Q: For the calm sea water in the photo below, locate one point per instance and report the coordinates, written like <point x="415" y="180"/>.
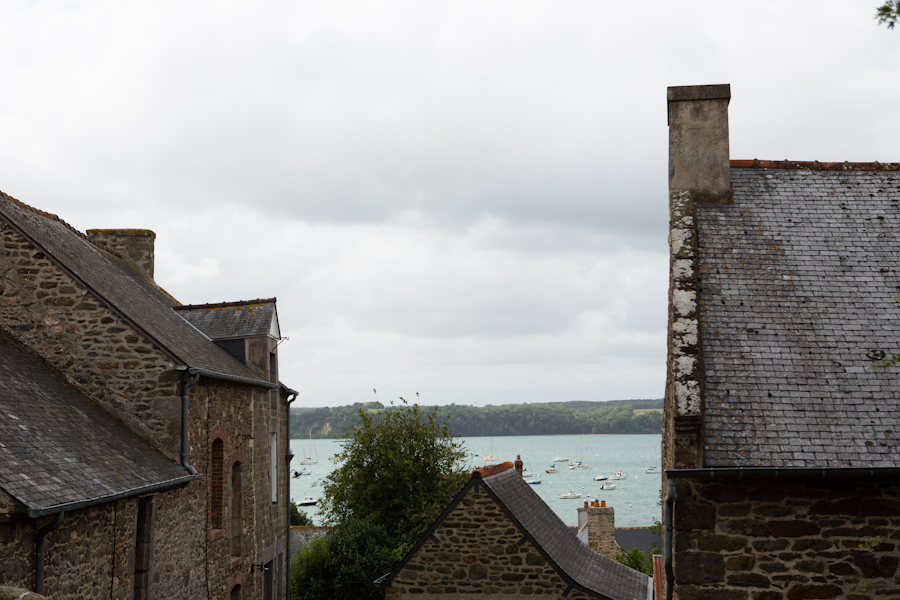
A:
<point x="635" y="498"/>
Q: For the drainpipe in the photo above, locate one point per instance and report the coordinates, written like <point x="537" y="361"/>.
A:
<point x="288" y="456"/>
<point x="667" y="539"/>
<point x="185" y="404"/>
<point x="41" y="547"/>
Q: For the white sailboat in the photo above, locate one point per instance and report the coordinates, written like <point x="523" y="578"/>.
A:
<point x="309" y="460"/>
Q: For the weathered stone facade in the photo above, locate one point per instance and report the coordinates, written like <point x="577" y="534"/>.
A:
<point x="770" y="539"/>
<point x="96" y="552"/>
<point x="479" y="552"/>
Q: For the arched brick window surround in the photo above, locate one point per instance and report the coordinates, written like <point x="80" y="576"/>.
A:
<point x="217" y="483"/>
<point x="237" y="580"/>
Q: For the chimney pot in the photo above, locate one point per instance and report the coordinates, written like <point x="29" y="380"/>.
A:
<point x="603" y="504"/>
<point x="518" y="464"/>
<point x="586" y="504"/>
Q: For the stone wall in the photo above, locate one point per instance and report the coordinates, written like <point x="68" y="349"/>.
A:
<point x="478" y="554"/>
<point x="797" y="539"/>
<point x="98" y="352"/>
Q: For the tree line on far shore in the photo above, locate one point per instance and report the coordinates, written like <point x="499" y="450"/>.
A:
<point x="560" y="418"/>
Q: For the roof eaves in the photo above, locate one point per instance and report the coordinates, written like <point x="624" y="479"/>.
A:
<point x="34" y="513"/>
<point x="226" y="304"/>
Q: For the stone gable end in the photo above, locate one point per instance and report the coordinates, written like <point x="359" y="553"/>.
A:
<point x="49" y="312"/>
<point x="480" y="552"/>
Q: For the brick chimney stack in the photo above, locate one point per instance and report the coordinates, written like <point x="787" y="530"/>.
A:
<point x="518" y="464"/>
<point x="602" y="530"/>
<point x="699" y="161"/>
<point x="134" y="246"/>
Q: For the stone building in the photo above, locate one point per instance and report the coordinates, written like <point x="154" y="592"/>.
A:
<point x="780" y="440"/>
<point x="143" y="444"/>
<point x="498" y="539"/>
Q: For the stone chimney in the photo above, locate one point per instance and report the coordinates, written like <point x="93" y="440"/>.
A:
<point x="698" y="142"/>
<point x="601" y="524"/>
<point x="134" y="246"/>
<point x="518" y="465"/>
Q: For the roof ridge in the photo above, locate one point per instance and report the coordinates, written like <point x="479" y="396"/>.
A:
<point x="56" y="218"/>
<point x="482" y="472"/>
<point x="814" y="165"/>
<point x="271" y="300"/>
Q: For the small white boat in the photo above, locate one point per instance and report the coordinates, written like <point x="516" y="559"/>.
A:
<point x="608" y="486"/>
<point x="307" y="501"/>
<point x="301" y="472"/>
<point x="577" y="465"/>
<point x="533" y="482"/>
<point x="309" y="460"/>
<point x="601" y="478"/>
<point x="654" y="470"/>
<point x="560" y="459"/>
<point x="552" y="469"/>
<point x="620" y="474"/>
<point x="569" y="496"/>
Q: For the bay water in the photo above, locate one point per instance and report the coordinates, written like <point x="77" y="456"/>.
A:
<point x="635" y="498"/>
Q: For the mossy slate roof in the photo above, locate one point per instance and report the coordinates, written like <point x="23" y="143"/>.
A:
<point x="577" y="564"/>
<point x="797" y="280"/>
<point x="58" y="449"/>
<point x="140" y="301"/>
<point x="231" y="320"/>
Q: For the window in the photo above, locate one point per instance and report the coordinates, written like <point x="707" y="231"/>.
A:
<point x="143" y="548"/>
<point x="217" y="484"/>
<point x="273" y="464"/>
<point x="237" y="522"/>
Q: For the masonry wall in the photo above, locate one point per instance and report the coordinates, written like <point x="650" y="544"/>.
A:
<point x="98" y="352"/>
<point x="478" y="554"/>
<point x="104" y="357"/>
<point x="798" y="539"/>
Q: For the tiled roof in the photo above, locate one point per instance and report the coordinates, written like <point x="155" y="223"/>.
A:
<point x="59" y="449"/>
<point x="796" y="305"/>
<point x="233" y="319"/>
<point x="641" y="538"/>
<point x="583" y="568"/>
<point x="139" y="301"/>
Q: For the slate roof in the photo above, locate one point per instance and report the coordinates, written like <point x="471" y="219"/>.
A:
<point x="139" y="301"/>
<point x="577" y="564"/>
<point x="641" y="538"/>
<point x="797" y="280"/>
<point x="58" y="450"/>
<point x="232" y="319"/>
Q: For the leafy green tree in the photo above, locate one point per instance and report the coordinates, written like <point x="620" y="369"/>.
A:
<point x="298" y="517"/>
<point x="888" y="13"/>
<point x="344" y="563"/>
<point x="634" y="558"/>
<point x="399" y="469"/>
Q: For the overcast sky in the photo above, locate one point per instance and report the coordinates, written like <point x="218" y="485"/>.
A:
<point x="462" y="199"/>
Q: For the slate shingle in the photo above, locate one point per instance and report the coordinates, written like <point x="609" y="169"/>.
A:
<point x="796" y="291"/>
<point x="57" y="447"/>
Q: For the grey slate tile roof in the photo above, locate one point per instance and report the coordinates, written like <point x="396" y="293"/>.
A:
<point x="578" y="564"/>
<point x="797" y="279"/>
<point x="137" y="299"/>
<point x="641" y="538"/>
<point x="58" y="448"/>
<point x="232" y="319"/>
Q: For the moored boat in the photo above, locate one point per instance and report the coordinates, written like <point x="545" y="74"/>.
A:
<point x="608" y="486"/>
<point x="307" y="501"/>
<point x="552" y="469"/>
<point x="601" y="478"/>
<point x="569" y="496"/>
<point x="654" y="470"/>
<point x="620" y="474"/>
